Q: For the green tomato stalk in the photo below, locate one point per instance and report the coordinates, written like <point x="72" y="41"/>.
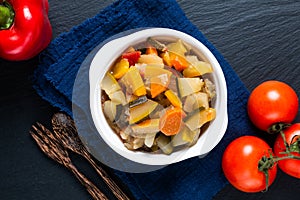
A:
<point x="268" y="161"/>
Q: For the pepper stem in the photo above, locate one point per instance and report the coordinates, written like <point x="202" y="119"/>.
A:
<point x="7" y="15"/>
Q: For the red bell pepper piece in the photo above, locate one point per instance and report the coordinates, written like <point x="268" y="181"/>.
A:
<point x="25" y="29"/>
<point x="132" y="57"/>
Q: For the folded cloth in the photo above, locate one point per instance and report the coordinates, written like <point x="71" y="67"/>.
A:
<point x="54" y="79"/>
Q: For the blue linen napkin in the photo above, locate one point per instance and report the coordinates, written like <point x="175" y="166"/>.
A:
<point x="54" y="79"/>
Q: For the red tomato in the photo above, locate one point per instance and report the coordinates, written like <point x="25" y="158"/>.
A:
<point x="289" y="166"/>
<point x="240" y="164"/>
<point x="272" y="102"/>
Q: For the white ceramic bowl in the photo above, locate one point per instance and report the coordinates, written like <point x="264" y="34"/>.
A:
<point x="107" y="55"/>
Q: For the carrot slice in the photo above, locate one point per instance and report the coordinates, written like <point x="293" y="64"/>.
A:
<point x="171" y="122"/>
<point x="156" y="89"/>
<point x="158" y="84"/>
<point x="178" y="61"/>
<point x="151" y="50"/>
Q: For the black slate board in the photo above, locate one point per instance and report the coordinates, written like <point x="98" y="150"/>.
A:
<point x="260" y="39"/>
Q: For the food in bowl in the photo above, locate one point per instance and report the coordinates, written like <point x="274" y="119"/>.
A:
<point x="156" y="97"/>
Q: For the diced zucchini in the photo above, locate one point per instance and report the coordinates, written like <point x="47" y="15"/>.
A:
<point x="141" y="111"/>
<point x="158" y="78"/>
<point x="109" y="84"/>
<point x="197" y="133"/>
<point x="125" y="133"/>
<point x="177" y="140"/>
<point x="177" y="48"/>
<point x="149" y="139"/>
<point x="198" y="118"/>
<point x="151" y="59"/>
<point x="189" y="103"/>
<point x="184" y="137"/>
<point x="187" y="86"/>
<point x="210" y="89"/>
<point x="201" y="100"/>
<point x="137" y="143"/>
<point x="147" y="126"/>
<point x="173" y="84"/>
<point x="154" y="70"/>
<point x="164" y="143"/>
<point x="118" y="97"/>
<point x="111" y="110"/>
<point x="195" y="101"/>
<point x="162" y="79"/>
<point x="196" y="67"/>
<point x="133" y="82"/>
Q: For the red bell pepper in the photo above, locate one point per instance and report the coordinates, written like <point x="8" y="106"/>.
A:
<point x="132" y="57"/>
<point x="25" y="29"/>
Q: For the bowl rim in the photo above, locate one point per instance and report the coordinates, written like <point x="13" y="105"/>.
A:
<point x="96" y="73"/>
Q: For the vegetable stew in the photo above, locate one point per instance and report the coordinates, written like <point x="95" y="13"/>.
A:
<point x="156" y="97"/>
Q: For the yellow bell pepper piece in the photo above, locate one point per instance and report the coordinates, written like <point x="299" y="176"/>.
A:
<point x="133" y="82"/>
<point x="173" y="98"/>
<point x="120" y="68"/>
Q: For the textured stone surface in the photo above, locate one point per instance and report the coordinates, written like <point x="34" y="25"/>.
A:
<point x="260" y="39"/>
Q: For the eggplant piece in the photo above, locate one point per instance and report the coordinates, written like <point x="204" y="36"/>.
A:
<point x="141" y="111"/>
<point x="156" y="44"/>
<point x="138" y="101"/>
